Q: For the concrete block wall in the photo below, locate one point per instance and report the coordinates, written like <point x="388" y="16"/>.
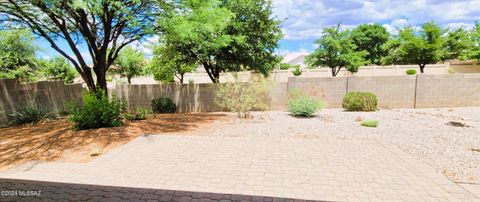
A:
<point x="391" y="91"/>
<point x="330" y="90"/>
<point x="458" y="90"/>
<point x="48" y="94"/>
<point x="188" y="97"/>
<point x="421" y="91"/>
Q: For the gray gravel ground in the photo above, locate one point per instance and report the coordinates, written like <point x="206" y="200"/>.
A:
<point x="425" y="133"/>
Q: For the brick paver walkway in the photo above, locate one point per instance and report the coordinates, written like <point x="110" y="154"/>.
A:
<point x="23" y="190"/>
<point x="319" y="169"/>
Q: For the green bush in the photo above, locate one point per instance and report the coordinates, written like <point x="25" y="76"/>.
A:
<point x="303" y="105"/>
<point x="163" y="105"/>
<point x="140" y="113"/>
<point x="297" y="71"/>
<point x="97" y="111"/>
<point x="29" y="114"/>
<point x="370" y="123"/>
<point x="359" y="101"/>
<point x="243" y="98"/>
<point x="411" y="72"/>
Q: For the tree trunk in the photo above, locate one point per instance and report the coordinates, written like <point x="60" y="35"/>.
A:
<point x="335" y="71"/>
<point x="422" y="66"/>
<point x="100" y="71"/>
<point x="129" y="79"/>
<point x="181" y="78"/>
<point x="87" y="77"/>
<point x="213" y="72"/>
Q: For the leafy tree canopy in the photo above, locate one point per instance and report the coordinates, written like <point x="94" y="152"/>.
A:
<point x="336" y="50"/>
<point x="422" y="48"/>
<point x="129" y="64"/>
<point x="370" y="38"/>
<point x="167" y="64"/>
<point x="59" y="68"/>
<point x="457" y="44"/>
<point x="223" y="35"/>
<point x="105" y="27"/>
<point x="17" y="54"/>
<point x="474" y="51"/>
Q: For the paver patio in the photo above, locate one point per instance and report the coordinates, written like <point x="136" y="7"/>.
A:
<point x="312" y="169"/>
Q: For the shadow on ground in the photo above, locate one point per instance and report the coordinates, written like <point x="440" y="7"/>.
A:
<point x="56" y="139"/>
<point x="26" y="190"/>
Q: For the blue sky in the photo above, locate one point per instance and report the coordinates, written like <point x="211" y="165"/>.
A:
<point x="303" y="20"/>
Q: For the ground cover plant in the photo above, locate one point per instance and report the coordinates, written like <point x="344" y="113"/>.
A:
<point x="97" y="111"/>
<point x="370" y="123"/>
<point x="360" y="101"/>
<point x="140" y="113"/>
<point x="163" y="105"/>
<point x="29" y="114"/>
<point x="303" y="105"/>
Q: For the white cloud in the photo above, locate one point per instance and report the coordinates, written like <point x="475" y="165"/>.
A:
<point x="146" y="45"/>
<point x="284" y="52"/>
<point x="305" y="19"/>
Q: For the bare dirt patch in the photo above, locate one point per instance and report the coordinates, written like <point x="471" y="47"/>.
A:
<point x="57" y="140"/>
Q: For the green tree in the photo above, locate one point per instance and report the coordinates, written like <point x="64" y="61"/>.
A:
<point x="336" y="51"/>
<point x="59" y="68"/>
<point x="167" y="64"/>
<point x="223" y="36"/>
<point x="129" y="63"/>
<point x="370" y="38"/>
<point x="457" y="44"/>
<point x="105" y="27"/>
<point x="17" y="54"/>
<point x="474" y="51"/>
<point x="421" y="48"/>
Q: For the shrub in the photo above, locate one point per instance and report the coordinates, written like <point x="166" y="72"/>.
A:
<point x="191" y="81"/>
<point x="163" y="105"/>
<point x="285" y="66"/>
<point x="359" y="101"/>
<point x="297" y="71"/>
<point x="140" y="113"/>
<point x="29" y="114"/>
<point x="243" y="98"/>
<point x="370" y="123"/>
<point x="411" y="72"/>
<point x="303" y="105"/>
<point x="97" y="111"/>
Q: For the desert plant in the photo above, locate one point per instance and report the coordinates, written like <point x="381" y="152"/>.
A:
<point x="359" y="101"/>
<point x="370" y="123"/>
<point x="243" y="98"/>
<point x="303" y="105"/>
<point x="163" y="105"/>
<point x="411" y="72"/>
<point x="29" y="114"/>
<point x="297" y="71"/>
<point x="140" y="113"/>
<point x="97" y="111"/>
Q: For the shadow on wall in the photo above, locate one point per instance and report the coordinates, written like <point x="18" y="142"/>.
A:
<point x="80" y="192"/>
<point x="188" y="97"/>
<point x="48" y="94"/>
